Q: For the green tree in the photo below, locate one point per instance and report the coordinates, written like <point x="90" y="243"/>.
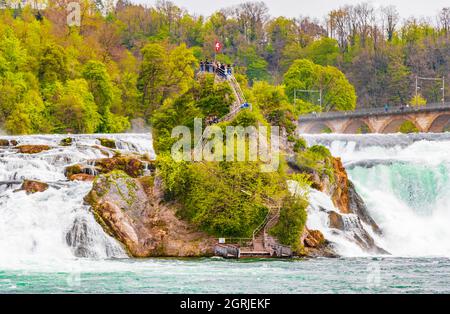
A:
<point x="324" y="51"/>
<point x="256" y="66"/>
<point x="164" y="73"/>
<point x="337" y="92"/>
<point x="154" y="68"/>
<point x="53" y="64"/>
<point x="274" y="105"/>
<point x="13" y="56"/>
<point x="303" y="74"/>
<point x="74" y="109"/>
<point x="408" y="127"/>
<point x="213" y="98"/>
<point x="292" y="221"/>
<point x="418" y="101"/>
<point x="105" y="96"/>
<point x="224" y="199"/>
<point x="28" y="116"/>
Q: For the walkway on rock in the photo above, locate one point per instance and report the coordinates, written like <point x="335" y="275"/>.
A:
<point x="240" y="102"/>
<point x="263" y="244"/>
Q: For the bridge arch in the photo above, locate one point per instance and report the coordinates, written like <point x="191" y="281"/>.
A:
<point x="357" y="126"/>
<point x="440" y="124"/>
<point x="319" y="128"/>
<point x="394" y="125"/>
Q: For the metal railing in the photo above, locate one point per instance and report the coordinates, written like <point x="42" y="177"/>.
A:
<point x="271" y="215"/>
<point x="236" y="241"/>
<point x="262" y="225"/>
<point x="378" y="111"/>
<point x="238" y="89"/>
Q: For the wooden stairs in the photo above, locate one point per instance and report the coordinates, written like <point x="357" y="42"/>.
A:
<point x="263" y="245"/>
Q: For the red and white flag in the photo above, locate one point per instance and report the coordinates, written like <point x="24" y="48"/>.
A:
<point x="218" y="46"/>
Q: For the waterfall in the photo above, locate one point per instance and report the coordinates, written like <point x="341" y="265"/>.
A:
<point x="403" y="179"/>
<point x="405" y="183"/>
<point x="55" y="224"/>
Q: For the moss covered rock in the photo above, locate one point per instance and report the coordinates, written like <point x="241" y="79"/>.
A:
<point x="32" y="149"/>
<point x="66" y="141"/>
<point x="74" y="169"/>
<point x="134" y="215"/>
<point x="108" y="143"/>
<point x="82" y="177"/>
<point x="314" y="239"/>
<point x="31" y="186"/>
<point x="7" y="143"/>
<point x="131" y="165"/>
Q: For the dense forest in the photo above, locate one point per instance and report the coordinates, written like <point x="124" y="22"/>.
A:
<point x="126" y="61"/>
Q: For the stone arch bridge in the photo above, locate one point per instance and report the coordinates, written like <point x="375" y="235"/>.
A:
<point x="433" y="118"/>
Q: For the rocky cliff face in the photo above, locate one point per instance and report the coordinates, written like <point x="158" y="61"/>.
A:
<point x="352" y="212"/>
<point x="132" y="211"/>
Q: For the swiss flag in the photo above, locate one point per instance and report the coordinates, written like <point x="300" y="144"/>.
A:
<point x="218" y="46"/>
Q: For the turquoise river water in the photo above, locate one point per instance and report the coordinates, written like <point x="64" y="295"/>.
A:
<point x="200" y="276"/>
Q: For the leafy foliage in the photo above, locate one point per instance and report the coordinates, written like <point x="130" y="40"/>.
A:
<point x="292" y="221"/>
<point x="309" y="80"/>
<point x="224" y="199"/>
<point x="408" y="127"/>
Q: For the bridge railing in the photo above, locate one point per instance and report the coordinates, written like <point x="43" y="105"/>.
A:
<point x="374" y="111"/>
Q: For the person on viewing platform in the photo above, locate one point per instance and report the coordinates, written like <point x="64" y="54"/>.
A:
<point x="229" y="70"/>
<point x="386" y="107"/>
<point x="202" y="66"/>
<point x="218" y="65"/>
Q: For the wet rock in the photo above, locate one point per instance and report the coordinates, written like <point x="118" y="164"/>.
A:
<point x="78" y="239"/>
<point x="335" y="220"/>
<point x="66" y="141"/>
<point x="76" y="169"/>
<point x="315" y="245"/>
<point x="359" y="208"/>
<point x="108" y="143"/>
<point x="7" y="143"/>
<point x="131" y="165"/>
<point x="102" y="150"/>
<point x="351" y="216"/>
<point x="355" y="230"/>
<point x="31" y="186"/>
<point x="136" y="216"/>
<point x="339" y="189"/>
<point x="82" y="177"/>
<point x="314" y="239"/>
<point x="32" y="149"/>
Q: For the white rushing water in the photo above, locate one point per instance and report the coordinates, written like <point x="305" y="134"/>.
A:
<point x="55" y="226"/>
<point x="404" y="181"/>
<point x="342" y="241"/>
